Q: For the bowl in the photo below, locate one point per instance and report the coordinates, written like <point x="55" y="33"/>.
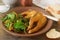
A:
<point x="21" y="9"/>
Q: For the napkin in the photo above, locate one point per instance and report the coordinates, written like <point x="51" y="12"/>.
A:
<point x="45" y="3"/>
<point x="54" y="4"/>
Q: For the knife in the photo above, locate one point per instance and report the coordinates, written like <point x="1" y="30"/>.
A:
<point x="52" y="18"/>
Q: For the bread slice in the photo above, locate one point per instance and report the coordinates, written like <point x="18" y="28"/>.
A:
<point x="53" y="34"/>
<point x="54" y="10"/>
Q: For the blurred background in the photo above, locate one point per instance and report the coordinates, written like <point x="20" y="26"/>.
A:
<point x="1" y="2"/>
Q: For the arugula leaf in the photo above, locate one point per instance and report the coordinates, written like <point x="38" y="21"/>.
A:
<point x="7" y="23"/>
<point x="25" y="20"/>
<point x="11" y="16"/>
<point x="4" y="19"/>
<point x="19" y="25"/>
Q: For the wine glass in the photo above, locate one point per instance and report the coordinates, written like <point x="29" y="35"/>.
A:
<point x="9" y="2"/>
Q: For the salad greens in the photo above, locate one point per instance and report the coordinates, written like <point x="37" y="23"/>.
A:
<point x="15" y="22"/>
<point x="19" y="25"/>
<point x="10" y="16"/>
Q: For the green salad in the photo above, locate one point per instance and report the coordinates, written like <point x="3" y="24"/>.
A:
<point x="15" y="22"/>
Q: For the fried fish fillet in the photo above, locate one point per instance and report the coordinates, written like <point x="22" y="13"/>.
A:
<point x="40" y="19"/>
<point x="33" y="19"/>
<point x="29" y="13"/>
